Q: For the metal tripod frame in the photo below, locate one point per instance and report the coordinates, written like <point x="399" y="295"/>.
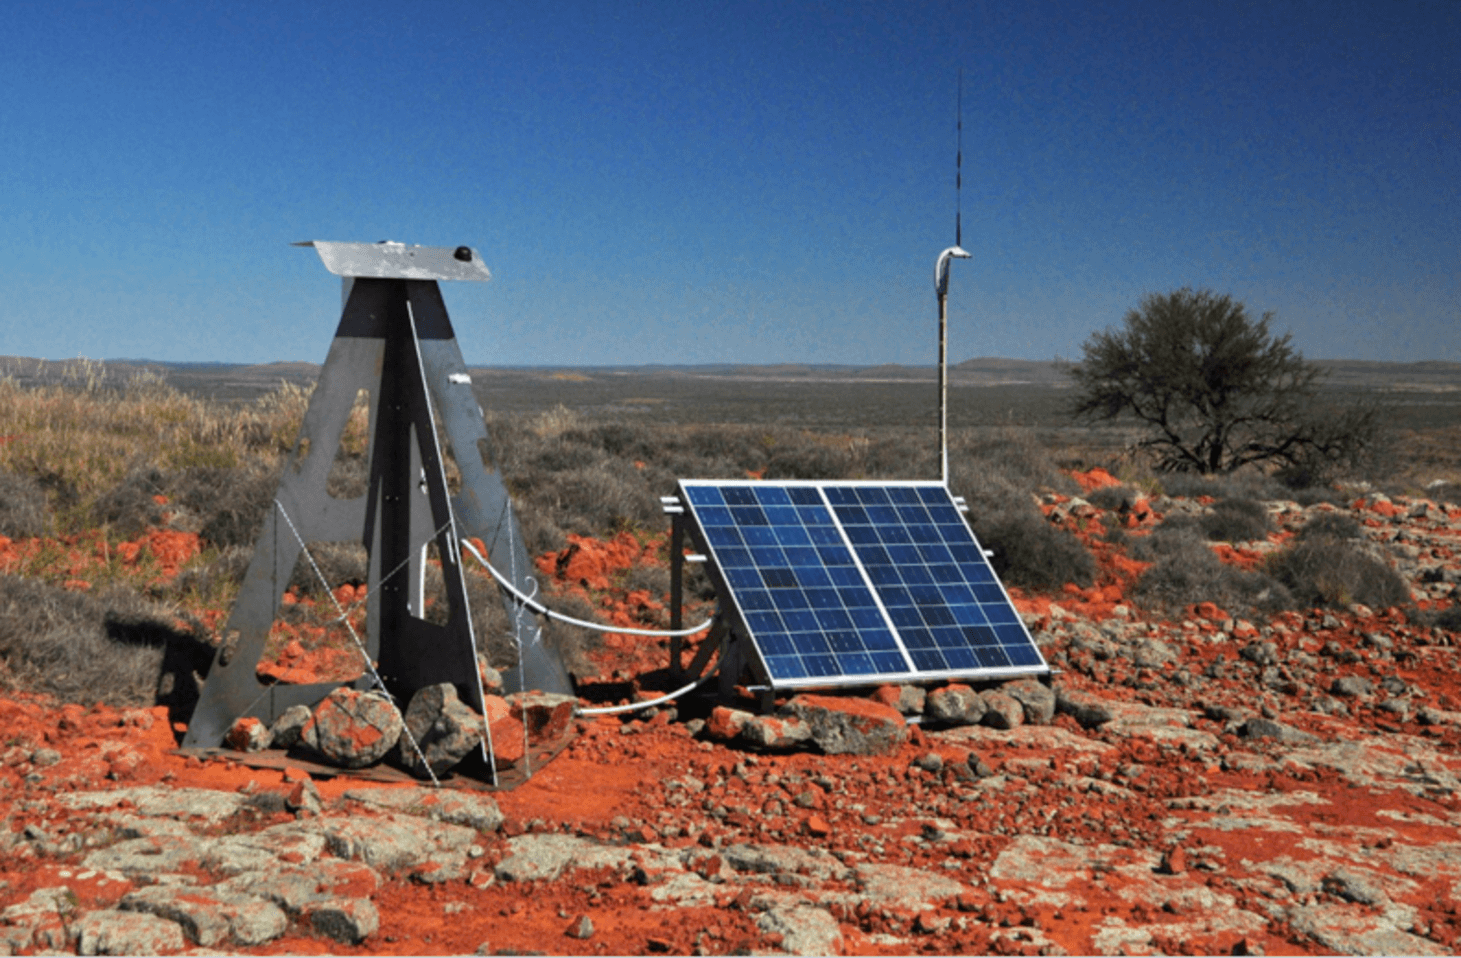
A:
<point x="395" y="341"/>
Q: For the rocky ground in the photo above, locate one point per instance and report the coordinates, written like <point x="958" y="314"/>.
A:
<point x="1205" y="783"/>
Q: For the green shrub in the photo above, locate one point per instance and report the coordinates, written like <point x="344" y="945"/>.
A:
<point x="1236" y="520"/>
<point x="1186" y="572"/>
<point x="24" y="511"/>
<point x="1330" y="525"/>
<point x="1113" y="498"/>
<point x="86" y="648"/>
<point x="1031" y="553"/>
<point x="1324" y="570"/>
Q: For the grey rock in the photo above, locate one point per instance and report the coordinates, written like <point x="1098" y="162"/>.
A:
<point x="1260" y="653"/>
<point x="771" y="732"/>
<point x="911" y="699"/>
<point x="287" y="728"/>
<point x="955" y="705"/>
<point x="1267" y="728"/>
<point x="353" y="729"/>
<point x="1002" y="711"/>
<point x="1151" y="654"/>
<point x="1038" y="700"/>
<point x="1350" y="686"/>
<point x="930" y="762"/>
<point x="139" y="857"/>
<point x="395" y="842"/>
<point x="444" y="728"/>
<point x="850" y="727"/>
<point x="236" y="854"/>
<point x="911" y="889"/>
<point x="1356" y="886"/>
<point x="583" y="929"/>
<point x="443" y="805"/>
<point x="1089" y="711"/>
<point x="45" y="757"/>
<point x="804" y="928"/>
<point x="126" y="933"/>
<point x="783" y="860"/>
<point x="207" y="916"/>
<point x="161" y="802"/>
<point x="544" y="857"/>
<point x="1343" y="929"/>
<point x="293" y="887"/>
<point x="347" y="920"/>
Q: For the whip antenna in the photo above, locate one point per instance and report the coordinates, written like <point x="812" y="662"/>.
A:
<point x="959" y="165"/>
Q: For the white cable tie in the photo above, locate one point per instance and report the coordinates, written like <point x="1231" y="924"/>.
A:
<point x="538" y="607"/>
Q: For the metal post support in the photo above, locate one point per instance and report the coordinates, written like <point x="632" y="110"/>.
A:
<point x="677" y="594"/>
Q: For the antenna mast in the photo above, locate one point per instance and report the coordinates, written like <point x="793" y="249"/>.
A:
<point x="941" y="284"/>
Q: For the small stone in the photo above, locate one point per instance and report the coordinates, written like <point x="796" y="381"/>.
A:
<point x="285" y="732"/>
<point x="304" y="797"/>
<point x="1174" y="861"/>
<point x="248" y="734"/>
<point x="727" y="723"/>
<point x="1002" y="711"/>
<point x="45" y="757"/>
<point x="347" y="920"/>
<point x="930" y="762"/>
<point x="817" y="826"/>
<point x="769" y="732"/>
<point x="955" y="704"/>
<point x="580" y="928"/>
<point x="1350" y="686"/>
<point x="1038" y="700"/>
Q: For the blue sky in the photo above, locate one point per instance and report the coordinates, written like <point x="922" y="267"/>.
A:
<point x="729" y="182"/>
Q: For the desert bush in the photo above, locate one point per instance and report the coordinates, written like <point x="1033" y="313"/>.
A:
<point x="340" y="563"/>
<point x="808" y="457"/>
<point x="1324" y="570"/>
<point x="1244" y="484"/>
<point x="1032" y="553"/>
<point x="653" y="579"/>
<point x="1186" y="572"/>
<point x="1330" y="525"/>
<point x="130" y="507"/>
<point x="1112" y="498"/>
<point x="24" y="510"/>
<point x="85" y="648"/>
<point x="227" y="505"/>
<point x="1236" y="520"/>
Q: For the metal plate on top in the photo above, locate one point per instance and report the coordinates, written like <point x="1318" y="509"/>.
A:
<point x="848" y="582"/>
<point x="398" y="261"/>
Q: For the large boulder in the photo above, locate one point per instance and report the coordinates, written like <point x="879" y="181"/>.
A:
<point x="443" y="727"/>
<point x="353" y="729"/>
<point x="1002" y="711"/>
<point x="850" y="726"/>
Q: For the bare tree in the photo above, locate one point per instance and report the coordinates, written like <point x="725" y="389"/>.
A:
<point x="1216" y="387"/>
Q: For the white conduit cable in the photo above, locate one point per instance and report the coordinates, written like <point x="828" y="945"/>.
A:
<point x="364" y="655"/>
<point x="527" y="602"/>
<point x="541" y="609"/>
<point x="651" y="703"/>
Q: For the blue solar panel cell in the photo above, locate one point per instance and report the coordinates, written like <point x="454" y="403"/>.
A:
<point x="858" y="581"/>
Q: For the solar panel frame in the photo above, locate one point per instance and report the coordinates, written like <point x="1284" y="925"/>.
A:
<point x="777" y="547"/>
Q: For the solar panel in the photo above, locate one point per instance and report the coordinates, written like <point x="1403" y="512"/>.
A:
<point x="847" y="582"/>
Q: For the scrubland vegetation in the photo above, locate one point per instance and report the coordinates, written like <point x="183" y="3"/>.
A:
<point x="90" y="469"/>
